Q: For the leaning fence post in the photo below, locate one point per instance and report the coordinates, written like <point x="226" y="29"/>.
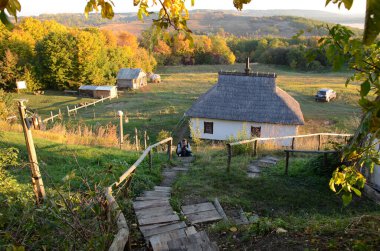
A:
<point x="68" y="111"/>
<point x="51" y="115"/>
<point x="229" y="153"/>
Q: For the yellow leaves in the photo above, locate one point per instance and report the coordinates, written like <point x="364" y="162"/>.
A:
<point x="106" y="8"/>
<point x="233" y="229"/>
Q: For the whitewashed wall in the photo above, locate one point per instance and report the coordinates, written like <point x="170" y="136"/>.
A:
<point x="374" y="178"/>
<point x="224" y="129"/>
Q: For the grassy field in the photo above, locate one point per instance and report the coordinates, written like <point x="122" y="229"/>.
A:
<point x="159" y="107"/>
<point x="300" y="203"/>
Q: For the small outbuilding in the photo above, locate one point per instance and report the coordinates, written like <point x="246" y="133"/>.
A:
<point x="245" y="101"/>
<point x="154" y="78"/>
<point x="98" y="91"/>
<point x="131" y="78"/>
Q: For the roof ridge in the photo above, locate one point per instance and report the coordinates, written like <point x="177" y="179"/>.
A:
<point x="250" y="74"/>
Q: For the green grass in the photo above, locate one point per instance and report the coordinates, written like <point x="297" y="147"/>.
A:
<point x="76" y="173"/>
<point x="51" y="101"/>
<point x="301" y="202"/>
<point x="162" y="106"/>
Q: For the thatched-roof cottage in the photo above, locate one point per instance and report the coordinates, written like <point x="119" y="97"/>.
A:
<point x="98" y="91"/>
<point x="131" y="78"/>
<point x="245" y="101"/>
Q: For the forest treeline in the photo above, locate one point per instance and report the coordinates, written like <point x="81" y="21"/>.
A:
<point x="48" y="55"/>
<point x="298" y="53"/>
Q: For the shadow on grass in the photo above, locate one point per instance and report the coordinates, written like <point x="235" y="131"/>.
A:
<point x="301" y="194"/>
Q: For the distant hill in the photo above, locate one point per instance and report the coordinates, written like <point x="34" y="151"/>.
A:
<point x="253" y="23"/>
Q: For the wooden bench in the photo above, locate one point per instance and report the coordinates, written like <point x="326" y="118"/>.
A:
<point x="306" y="151"/>
<point x="70" y="92"/>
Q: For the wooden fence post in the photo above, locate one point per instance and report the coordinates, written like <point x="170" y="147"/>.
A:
<point x="51" y="115"/>
<point x="170" y="143"/>
<point x="150" y="159"/>
<point x="121" y="136"/>
<point x="255" y="148"/>
<point x="68" y="111"/>
<point x="229" y="153"/>
<point x="293" y="140"/>
<point x="38" y="185"/>
<point x="145" y="140"/>
<point x="319" y="142"/>
<point x="287" y="163"/>
<point x="136" y="139"/>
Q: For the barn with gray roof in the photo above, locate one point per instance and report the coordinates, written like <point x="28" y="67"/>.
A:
<point x="132" y="78"/>
<point x="245" y="104"/>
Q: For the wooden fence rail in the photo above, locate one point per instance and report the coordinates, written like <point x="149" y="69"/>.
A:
<point x="256" y="140"/>
<point x="75" y="109"/>
<point x="122" y="237"/>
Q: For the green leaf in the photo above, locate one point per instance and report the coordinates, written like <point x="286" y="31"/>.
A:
<point x="372" y="21"/>
<point x="356" y="191"/>
<point x="347" y="198"/>
<point x="4" y="19"/>
<point x="365" y="87"/>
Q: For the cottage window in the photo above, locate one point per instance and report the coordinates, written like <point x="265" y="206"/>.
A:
<point x="255" y="132"/>
<point x="209" y="127"/>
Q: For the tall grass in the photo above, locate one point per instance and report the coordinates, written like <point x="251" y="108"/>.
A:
<point x="77" y="134"/>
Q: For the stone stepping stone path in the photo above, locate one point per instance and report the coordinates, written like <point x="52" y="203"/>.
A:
<point x="254" y="169"/>
<point x="161" y="227"/>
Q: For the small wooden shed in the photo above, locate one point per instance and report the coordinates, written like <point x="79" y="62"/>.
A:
<point x="131" y="78"/>
<point x="98" y="91"/>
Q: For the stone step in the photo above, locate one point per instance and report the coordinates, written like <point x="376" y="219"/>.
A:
<point x="161" y="194"/>
<point x="163" y="189"/>
<point x="265" y="163"/>
<point x="146" y="198"/>
<point x="254" y="169"/>
<point x="253" y="175"/>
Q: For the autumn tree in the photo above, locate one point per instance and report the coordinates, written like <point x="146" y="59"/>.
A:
<point x="57" y="59"/>
<point x="8" y="71"/>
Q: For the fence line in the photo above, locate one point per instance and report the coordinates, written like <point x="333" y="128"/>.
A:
<point x="75" y="109"/>
<point x="256" y="140"/>
<point x="122" y="237"/>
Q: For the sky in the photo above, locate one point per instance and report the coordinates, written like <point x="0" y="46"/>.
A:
<point x="36" y="7"/>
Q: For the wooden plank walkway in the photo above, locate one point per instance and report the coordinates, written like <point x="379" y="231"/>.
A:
<point x="161" y="226"/>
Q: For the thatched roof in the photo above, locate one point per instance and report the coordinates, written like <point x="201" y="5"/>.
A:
<point x="251" y="97"/>
<point x="129" y="73"/>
